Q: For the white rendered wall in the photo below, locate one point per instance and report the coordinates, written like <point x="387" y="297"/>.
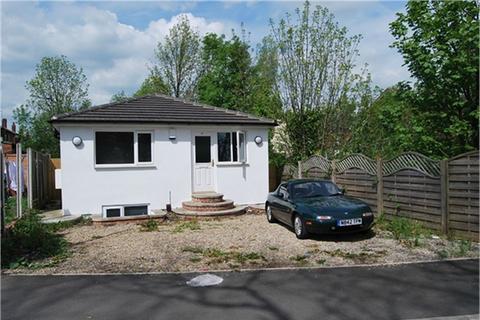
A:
<point x="85" y="189"/>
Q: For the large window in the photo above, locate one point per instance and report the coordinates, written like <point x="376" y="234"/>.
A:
<point x="116" y="147"/>
<point x="231" y="146"/>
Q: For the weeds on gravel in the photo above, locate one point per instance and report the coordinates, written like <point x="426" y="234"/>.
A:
<point x="215" y="255"/>
<point x="187" y="225"/>
<point x="149" y="225"/>
<point x="29" y="243"/>
<point x="273" y="248"/>
<point x="408" y="231"/>
<point x="360" y="257"/>
<point x="455" y="249"/>
<point x="300" y="259"/>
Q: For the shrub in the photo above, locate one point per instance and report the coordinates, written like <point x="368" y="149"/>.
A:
<point x="31" y="240"/>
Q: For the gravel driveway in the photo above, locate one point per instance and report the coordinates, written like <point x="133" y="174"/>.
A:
<point x="240" y="242"/>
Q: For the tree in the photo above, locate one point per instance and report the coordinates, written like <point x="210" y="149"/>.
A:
<point x="315" y="77"/>
<point x="119" y="97"/>
<point x="153" y="84"/>
<point x="57" y="87"/>
<point x="178" y="59"/>
<point x="439" y="42"/>
<point x="227" y="77"/>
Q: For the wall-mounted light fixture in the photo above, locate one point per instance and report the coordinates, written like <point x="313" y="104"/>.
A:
<point x="77" y="141"/>
<point x="258" y="140"/>
<point x="171" y="134"/>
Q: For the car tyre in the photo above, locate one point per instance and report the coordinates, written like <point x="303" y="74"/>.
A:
<point x="270" y="217"/>
<point x="299" y="227"/>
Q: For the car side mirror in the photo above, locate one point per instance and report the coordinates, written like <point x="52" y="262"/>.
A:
<point x="280" y="195"/>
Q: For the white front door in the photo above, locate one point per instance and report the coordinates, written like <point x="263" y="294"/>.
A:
<point x="203" y="179"/>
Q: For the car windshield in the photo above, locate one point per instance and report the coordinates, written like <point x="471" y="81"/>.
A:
<point x="314" y="189"/>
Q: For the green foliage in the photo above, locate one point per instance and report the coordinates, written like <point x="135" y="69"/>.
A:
<point x="455" y="249"/>
<point x="30" y="240"/>
<point x="57" y="87"/>
<point x="439" y="41"/>
<point x="408" y="231"/>
<point x="154" y="84"/>
<point x="119" y="97"/>
<point x="226" y="80"/>
<point x="178" y="59"/>
<point x="149" y="225"/>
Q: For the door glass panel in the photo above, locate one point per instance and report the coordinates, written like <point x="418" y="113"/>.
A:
<point x="202" y="150"/>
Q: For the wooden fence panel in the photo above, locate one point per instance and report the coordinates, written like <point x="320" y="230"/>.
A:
<point x="360" y="184"/>
<point x="463" y="195"/>
<point x="412" y="194"/>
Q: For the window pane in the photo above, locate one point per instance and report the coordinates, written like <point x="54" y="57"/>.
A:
<point x="224" y="146"/>
<point x="112" y="212"/>
<point x="144" y="147"/>
<point x="202" y="150"/>
<point x="135" y="211"/>
<point x="114" y="147"/>
<point x="241" y="147"/>
<point x="234" y="146"/>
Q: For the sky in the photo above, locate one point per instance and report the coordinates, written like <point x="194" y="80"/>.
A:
<point x="114" y="41"/>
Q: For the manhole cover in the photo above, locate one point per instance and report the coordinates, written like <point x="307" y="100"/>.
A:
<point x="205" y="280"/>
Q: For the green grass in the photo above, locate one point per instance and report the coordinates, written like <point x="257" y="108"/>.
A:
<point x="32" y="244"/>
<point x="357" y="257"/>
<point x="187" y="225"/>
<point x="149" y="225"/>
<point x="273" y="248"/>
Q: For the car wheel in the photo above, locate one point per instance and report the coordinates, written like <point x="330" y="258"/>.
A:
<point x="299" y="227"/>
<point x="270" y="217"/>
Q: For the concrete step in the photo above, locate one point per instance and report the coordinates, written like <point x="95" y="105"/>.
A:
<point x="207" y="197"/>
<point x="234" y="211"/>
<point x="208" y="206"/>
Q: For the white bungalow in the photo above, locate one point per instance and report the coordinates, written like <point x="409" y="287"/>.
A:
<point x="138" y="156"/>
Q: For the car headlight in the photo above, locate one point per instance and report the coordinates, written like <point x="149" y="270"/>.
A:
<point x="323" y="218"/>
<point x="367" y="214"/>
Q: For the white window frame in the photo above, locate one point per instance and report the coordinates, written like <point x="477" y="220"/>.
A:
<point x="135" y="163"/>
<point x="237" y="133"/>
<point x="122" y="210"/>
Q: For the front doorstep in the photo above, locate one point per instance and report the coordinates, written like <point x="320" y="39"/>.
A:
<point x="157" y="215"/>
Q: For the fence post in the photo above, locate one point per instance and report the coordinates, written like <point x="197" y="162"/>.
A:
<point x="19" y="180"/>
<point x="334" y="167"/>
<point x="379" y="186"/>
<point x="299" y="169"/>
<point x="30" y="178"/>
<point x="444" y="195"/>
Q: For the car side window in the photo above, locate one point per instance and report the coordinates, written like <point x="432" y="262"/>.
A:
<point x="283" y="192"/>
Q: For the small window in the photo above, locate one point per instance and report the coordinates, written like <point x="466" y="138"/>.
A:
<point x="144" y="147"/>
<point x="125" y="211"/>
<point x="231" y="146"/>
<point x="113" y="212"/>
<point x="135" y="211"/>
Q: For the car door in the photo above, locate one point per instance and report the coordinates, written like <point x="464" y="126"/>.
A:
<point x="284" y="207"/>
<point x="275" y="202"/>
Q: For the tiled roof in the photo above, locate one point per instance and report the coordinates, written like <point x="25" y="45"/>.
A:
<point x="160" y="109"/>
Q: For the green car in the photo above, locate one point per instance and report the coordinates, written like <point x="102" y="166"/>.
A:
<point x="317" y="206"/>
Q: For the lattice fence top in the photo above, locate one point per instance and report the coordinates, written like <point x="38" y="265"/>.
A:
<point x="319" y="162"/>
<point x="357" y="161"/>
<point x="290" y="171"/>
<point x="413" y="161"/>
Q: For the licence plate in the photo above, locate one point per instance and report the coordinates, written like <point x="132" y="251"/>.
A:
<point x="349" y="222"/>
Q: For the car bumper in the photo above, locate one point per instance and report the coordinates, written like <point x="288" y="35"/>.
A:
<point x="330" y="227"/>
